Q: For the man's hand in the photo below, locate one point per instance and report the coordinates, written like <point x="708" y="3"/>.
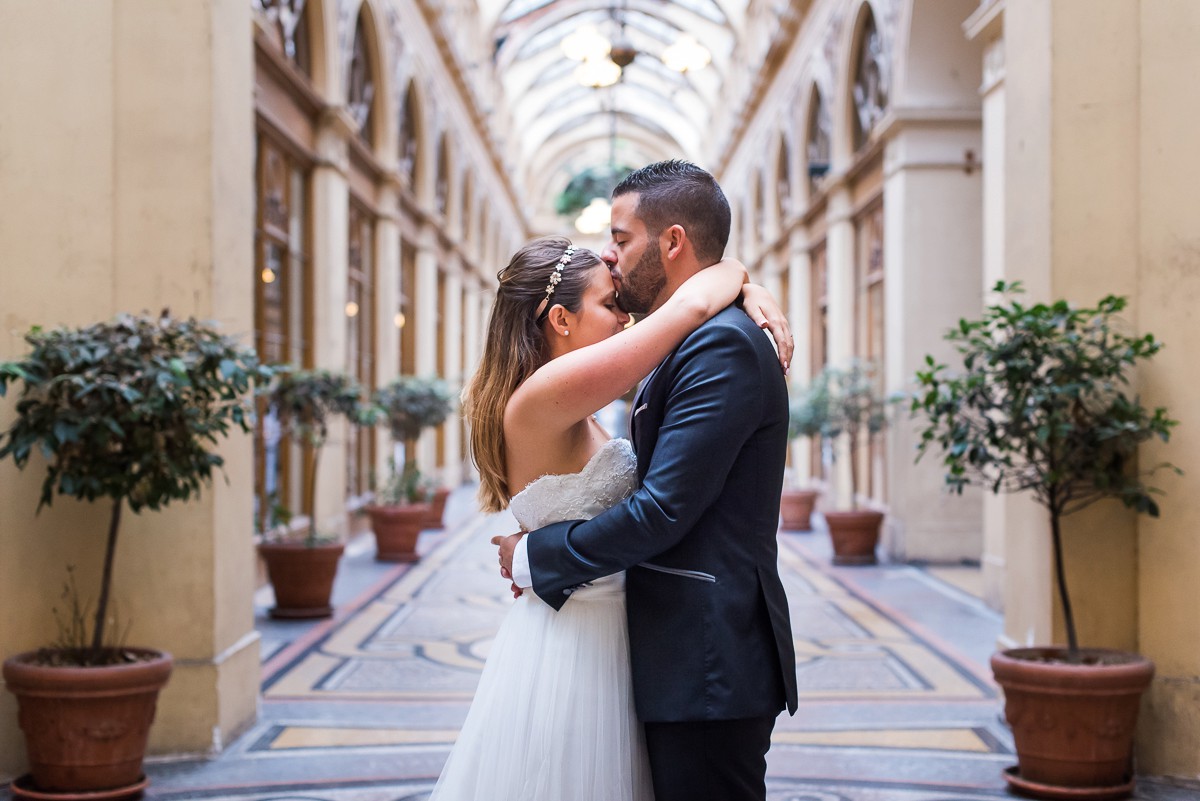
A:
<point x="507" y="545"/>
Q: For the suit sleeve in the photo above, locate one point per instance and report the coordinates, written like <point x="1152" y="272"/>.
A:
<point x="713" y="406"/>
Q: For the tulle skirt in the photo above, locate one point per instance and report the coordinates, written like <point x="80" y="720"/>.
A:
<point x="553" y="716"/>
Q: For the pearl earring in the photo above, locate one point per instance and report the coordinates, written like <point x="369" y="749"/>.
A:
<point x="566" y="333"/>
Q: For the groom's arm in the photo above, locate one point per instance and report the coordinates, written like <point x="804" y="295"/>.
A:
<point x="713" y="407"/>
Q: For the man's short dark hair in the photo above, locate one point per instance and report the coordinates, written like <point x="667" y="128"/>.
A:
<point x="678" y="192"/>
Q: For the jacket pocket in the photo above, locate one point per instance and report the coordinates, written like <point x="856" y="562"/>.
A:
<point x="676" y="571"/>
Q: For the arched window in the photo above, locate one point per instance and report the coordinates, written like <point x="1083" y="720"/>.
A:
<point x="820" y="138"/>
<point x="783" y="180"/>
<point x="408" y="136"/>
<point x="360" y="92"/>
<point x="870" y="83"/>
<point x="290" y="21"/>
<point x="442" y="187"/>
<point x="360" y="340"/>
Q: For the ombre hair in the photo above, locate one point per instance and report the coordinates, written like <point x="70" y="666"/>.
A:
<point x="515" y="348"/>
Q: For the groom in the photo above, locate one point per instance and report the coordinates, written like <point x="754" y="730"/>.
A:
<point x="709" y="634"/>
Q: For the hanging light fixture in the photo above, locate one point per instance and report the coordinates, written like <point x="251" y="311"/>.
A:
<point x="351" y="309"/>
<point x="597" y="72"/>
<point x="686" y="55"/>
<point x="595" y="217"/>
<point x="585" y="43"/>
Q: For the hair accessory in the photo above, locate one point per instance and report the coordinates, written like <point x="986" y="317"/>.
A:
<point x="555" y="278"/>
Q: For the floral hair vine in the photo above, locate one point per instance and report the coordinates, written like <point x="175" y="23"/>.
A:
<point x="556" y="277"/>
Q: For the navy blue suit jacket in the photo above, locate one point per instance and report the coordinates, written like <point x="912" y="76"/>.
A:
<point x="710" y="637"/>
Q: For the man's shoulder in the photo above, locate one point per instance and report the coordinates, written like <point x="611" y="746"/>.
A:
<point x="733" y="325"/>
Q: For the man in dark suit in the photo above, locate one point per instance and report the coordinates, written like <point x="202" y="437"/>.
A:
<point x="710" y="638"/>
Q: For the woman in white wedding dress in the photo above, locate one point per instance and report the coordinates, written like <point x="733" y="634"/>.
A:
<point x="553" y="716"/>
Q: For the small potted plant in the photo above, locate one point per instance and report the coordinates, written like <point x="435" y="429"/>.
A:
<point x="858" y="409"/>
<point x="1043" y="406"/>
<point x="125" y="412"/>
<point x="302" y="573"/>
<point x="403" y="504"/>
<point x="807" y="414"/>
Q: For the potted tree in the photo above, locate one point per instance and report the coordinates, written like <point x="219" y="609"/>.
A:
<point x="403" y="505"/>
<point x="302" y="573"/>
<point x="126" y="412"/>
<point x="858" y="409"/>
<point x="1043" y="406"/>
<point x="807" y="415"/>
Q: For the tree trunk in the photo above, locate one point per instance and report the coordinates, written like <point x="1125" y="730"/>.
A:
<point x="106" y="580"/>
<point x="1061" y="580"/>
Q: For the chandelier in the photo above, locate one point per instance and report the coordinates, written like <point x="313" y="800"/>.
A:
<point x="602" y="60"/>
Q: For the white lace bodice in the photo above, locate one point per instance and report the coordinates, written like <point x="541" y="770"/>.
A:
<point x="608" y="478"/>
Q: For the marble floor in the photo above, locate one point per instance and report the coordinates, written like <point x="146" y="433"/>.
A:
<point x="896" y="701"/>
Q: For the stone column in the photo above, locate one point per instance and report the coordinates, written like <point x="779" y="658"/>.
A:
<point x="427" y="331"/>
<point x="452" y="331"/>
<point x="932" y="254"/>
<point x="840" y="258"/>
<point x="130" y="192"/>
<point x="330" y="260"/>
<point x="799" y="306"/>
<point x="987" y="26"/>
<point x="387" y="305"/>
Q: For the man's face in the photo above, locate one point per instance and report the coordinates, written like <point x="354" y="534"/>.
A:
<point x="635" y="257"/>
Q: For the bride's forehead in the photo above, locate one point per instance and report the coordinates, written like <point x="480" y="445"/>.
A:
<point x="600" y="279"/>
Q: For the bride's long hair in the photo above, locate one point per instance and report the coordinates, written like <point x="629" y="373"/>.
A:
<point x="515" y="348"/>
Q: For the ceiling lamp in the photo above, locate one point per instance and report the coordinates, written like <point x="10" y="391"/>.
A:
<point x="595" y="217"/>
<point x="585" y="43"/>
<point x="597" y="72"/>
<point x="686" y="55"/>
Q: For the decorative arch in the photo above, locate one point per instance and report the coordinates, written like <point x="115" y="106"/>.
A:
<point x="933" y="63"/>
<point x="785" y="195"/>
<point x="864" y="82"/>
<point x="817" y="139"/>
<point x="366" y="80"/>
<point x="411" y="138"/>
<point x="441" y="186"/>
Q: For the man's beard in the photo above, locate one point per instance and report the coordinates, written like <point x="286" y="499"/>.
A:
<point x="644" y="282"/>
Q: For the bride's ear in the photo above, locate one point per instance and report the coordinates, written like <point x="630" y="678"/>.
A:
<point x="559" y="319"/>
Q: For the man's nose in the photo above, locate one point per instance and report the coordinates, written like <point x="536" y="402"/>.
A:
<point x="609" y="254"/>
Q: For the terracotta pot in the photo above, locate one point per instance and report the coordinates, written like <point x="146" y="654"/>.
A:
<point x="397" y="529"/>
<point x="86" y="727"/>
<point x="855" y="536"/>
<point x="795" y="509"/>
<point x="437" y="508"/>
<point x="1072" y="724"/>
<point x="302" y="578"/>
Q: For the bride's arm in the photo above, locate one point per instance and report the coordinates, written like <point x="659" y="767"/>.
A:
<point x="571" y="387"/>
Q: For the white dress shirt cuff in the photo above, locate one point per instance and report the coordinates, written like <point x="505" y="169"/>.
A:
<point x="521" y="574"/>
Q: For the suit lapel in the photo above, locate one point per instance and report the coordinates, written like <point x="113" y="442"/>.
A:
<point x="640" y="406"/>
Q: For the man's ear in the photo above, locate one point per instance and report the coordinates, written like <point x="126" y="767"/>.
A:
<point x="674" y="241"/>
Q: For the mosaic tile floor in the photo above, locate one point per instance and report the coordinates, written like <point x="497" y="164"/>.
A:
<point x="896" y="703"/>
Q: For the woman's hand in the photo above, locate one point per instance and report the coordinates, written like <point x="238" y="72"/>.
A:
<point x="765" y="312"/>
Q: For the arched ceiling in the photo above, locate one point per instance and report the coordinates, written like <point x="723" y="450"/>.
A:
<point x="560" y="128"/>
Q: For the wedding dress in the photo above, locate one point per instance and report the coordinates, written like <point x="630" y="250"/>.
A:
<point x="553" y="717"/>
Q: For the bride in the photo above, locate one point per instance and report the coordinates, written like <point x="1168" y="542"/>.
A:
<point x="553" y="716"/>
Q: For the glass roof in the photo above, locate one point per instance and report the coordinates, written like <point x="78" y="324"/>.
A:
<point x="558" y="127"/>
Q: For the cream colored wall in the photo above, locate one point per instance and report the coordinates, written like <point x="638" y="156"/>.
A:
<point x="130" y="193"/>
<point x="1072" y="234"/>
<point x="1168" y="295"/>
<point x="1100" y="181"/>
